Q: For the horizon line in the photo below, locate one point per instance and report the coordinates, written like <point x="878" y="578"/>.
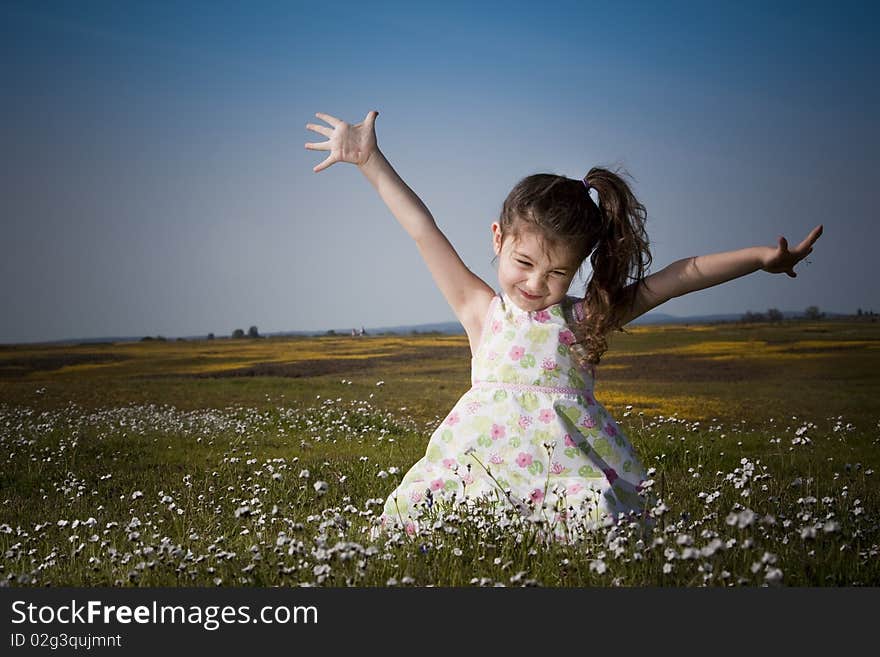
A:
<point x="675" y="319"/>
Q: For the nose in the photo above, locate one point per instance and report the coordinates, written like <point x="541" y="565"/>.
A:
<point x="535" y="284"/>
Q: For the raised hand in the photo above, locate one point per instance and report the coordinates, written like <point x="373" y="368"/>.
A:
<point x="346" y="143"/>
<point x="783" y="260"/>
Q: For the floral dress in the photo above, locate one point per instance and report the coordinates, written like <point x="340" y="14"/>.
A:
<point x="530" y="430"/>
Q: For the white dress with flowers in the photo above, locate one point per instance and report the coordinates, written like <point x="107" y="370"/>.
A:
<point x="531" y="430"/>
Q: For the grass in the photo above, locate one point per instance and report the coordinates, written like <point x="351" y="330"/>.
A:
<point x="262" y="463"/>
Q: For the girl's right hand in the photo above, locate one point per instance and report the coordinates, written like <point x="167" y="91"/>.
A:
<point x="346" y="143"/>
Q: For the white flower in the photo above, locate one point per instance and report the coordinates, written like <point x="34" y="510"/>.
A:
<point x="773" y="576"/>
<point x="831" y="526"/>
<point x="320" y="487"/>
<point x="659" y="510"/>
<point x="136" y="494"/>
<point x="714" y="545"/>
<point x="746" y="518"/>
<point x="303" y="474"/>
<point x="690" y="553"/>
<point x="742" y="519"/>
<point x="598" y="565"/>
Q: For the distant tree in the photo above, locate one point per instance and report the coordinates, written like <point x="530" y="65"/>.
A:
<point x="750" y="317"/>
<point x="774" y="315"/>
<point x="253" y="333"/>
<point x="146" y="338"/>
<point x="812" y="312"/>
<point x="210" y="336"/>
<point x="238" y="333"/>
<point x="859" y="313"/>
<point x="181" y="339"/>
<point x="330" y="332"/>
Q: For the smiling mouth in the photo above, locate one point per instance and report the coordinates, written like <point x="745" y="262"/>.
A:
<point x="529" y="296"/>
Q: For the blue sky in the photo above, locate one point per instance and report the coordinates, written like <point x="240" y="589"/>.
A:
<point x="154" y="179"/>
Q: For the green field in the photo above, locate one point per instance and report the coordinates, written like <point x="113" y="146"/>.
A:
<point x="197" y="463"/>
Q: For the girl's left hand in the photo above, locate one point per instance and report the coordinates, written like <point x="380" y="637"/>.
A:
<point x="783" y="260"/>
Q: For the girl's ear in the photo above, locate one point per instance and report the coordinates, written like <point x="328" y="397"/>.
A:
<point x="496" y="237"/>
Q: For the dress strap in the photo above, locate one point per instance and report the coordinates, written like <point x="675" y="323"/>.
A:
<point x="574" y="310"/>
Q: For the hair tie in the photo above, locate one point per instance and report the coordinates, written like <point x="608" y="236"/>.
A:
<point x="587" y="185"/>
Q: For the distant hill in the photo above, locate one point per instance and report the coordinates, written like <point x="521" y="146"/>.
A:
<point x="455" y="328"/>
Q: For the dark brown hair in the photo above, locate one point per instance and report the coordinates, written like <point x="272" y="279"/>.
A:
<point x="565" y="215"/>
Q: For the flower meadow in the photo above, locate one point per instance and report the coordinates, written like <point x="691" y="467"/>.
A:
<point x="287" y="494"/>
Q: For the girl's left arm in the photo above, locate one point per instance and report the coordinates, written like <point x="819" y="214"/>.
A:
<point x="699" y="272"/>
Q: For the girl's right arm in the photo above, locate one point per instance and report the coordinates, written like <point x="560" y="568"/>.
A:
<point x="467" y="294"/>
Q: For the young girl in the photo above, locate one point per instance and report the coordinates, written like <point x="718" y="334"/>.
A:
<point x="529" y="432"/>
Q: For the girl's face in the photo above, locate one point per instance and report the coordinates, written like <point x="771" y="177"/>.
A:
<point x="533" y="277"/>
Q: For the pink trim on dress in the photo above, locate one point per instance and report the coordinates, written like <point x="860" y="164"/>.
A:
<point x="524" y="387"/>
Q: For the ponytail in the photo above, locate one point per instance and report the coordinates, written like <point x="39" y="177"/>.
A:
<point x="621" y="255"/>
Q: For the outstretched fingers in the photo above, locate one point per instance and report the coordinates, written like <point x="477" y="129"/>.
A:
<point x="323" y="165"/>
<point x="332" y="120"/>
<point x="342" y="138"/>
<point x="813" y="236"/>
<point x="320" y="129"/>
